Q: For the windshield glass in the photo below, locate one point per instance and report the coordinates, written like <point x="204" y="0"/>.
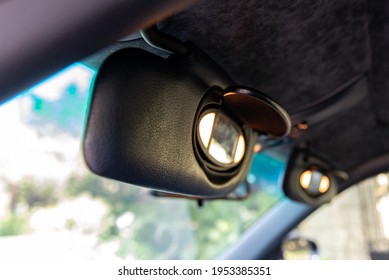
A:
<point x="51" y="206"/>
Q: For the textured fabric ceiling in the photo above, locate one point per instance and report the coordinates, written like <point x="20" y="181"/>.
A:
<point x="295" y="51"/>
<point x="298" y="51"/>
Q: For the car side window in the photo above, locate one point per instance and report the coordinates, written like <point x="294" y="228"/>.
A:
<point x="355" y="225"/>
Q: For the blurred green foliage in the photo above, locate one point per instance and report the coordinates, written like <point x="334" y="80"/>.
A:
<point x="13" y="225"/>
<point x="29" y="193"/>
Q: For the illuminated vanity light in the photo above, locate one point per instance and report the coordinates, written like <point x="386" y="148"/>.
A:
<point x="324" y="184"/>
<point x="305" y="179"/>
<point x="206" y="127"/>
<point x="240" y="149"/>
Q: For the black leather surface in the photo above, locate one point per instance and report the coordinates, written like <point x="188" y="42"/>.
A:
<point x="141" y="118"/>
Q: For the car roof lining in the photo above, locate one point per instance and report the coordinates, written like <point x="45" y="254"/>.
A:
<point x="299" y="52"/>
<point x="295" y="51"/>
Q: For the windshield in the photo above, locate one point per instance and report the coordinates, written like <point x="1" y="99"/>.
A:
<point x="51" y="206"/>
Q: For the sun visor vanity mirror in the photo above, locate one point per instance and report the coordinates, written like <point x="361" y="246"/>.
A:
<point x="175" y="124"/>
<point x="311" y="179"/>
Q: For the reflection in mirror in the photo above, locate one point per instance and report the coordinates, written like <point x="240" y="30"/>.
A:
<point x="221" y="138"/>
<point x="299" y="249"/>
<point x="314" y="182"/>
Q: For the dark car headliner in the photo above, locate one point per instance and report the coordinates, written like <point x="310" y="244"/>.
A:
<point x="296" y="51"/>
<point x="299" y="51"/>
